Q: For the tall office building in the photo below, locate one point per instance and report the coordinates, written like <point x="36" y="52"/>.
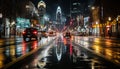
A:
<point x="78" y="7"/>
<point x="75" y="8"/>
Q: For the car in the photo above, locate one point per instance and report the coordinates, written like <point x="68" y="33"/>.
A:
<point x="44" y="34"/>
<point x="67" y="35"/>
<point x="31" y="33"/>
<point x="52" y="33"/>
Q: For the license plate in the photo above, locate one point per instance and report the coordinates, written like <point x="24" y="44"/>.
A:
<point x="28" y="35"/>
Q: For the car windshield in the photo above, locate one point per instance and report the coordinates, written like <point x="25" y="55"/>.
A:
<point x="67" y="33"/>
<point x="31" y="29"/>
<point x="59" y="34"/>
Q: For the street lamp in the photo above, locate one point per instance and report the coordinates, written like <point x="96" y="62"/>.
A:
<point x="109" y="31"/>
<point x="96" y="22"/>
<point x="92" y="7"/>
<point x="109" y="18"/>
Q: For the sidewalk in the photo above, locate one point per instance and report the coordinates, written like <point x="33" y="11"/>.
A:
<point x="8" y="38"/>
<point x="6" y="41"/>
<point x="106" y="37"/>
<point x="112" y="38"/>
<point x="105" y="47"/>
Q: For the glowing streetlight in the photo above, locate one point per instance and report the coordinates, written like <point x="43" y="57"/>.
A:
<point x="96" y="22"/>
<point x="93" y="8"/>
<point x="109" y="18"/>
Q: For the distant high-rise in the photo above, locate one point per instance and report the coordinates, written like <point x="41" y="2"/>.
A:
<point x="78" y="7"/>
<point x="59" y="18"/>
<point x="58" y="15"/>
<point x="75" y="8"/>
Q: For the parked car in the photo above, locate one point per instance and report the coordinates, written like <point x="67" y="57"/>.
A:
<point x="31" y="33"/>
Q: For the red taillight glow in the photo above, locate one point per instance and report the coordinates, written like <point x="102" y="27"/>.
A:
<point x="24" y="32"/>
<point x="35" y="32"/>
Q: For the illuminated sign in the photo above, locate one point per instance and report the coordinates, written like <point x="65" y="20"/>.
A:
<point x="23" y="23"/>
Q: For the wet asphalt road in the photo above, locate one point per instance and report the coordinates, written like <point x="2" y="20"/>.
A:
<point x="108" y="48"/>
<point x="14" y="49"/>
<point x="61" y="54"/>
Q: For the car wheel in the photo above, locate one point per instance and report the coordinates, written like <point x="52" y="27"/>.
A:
<point x="26" y="39"/>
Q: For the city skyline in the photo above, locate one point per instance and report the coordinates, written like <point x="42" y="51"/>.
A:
<point x="111" y="8"/>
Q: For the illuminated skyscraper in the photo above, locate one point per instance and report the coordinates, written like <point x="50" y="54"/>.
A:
<point x="59" y="18"/>
<point x="42" y="11"/>
<point x="58" y="15"/>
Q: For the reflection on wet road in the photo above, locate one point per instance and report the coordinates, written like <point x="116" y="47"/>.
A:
<point x="63" y="54"/>
<point x="104" y="47"/>
<point x="11" y="51"/>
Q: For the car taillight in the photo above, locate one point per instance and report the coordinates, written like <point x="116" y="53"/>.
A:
<point x="35" y="32"/>
<point x="24" y="32"/>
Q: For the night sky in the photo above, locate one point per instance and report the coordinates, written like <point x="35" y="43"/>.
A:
<point x="111" y="7"/>
<point x="51" y="5"/>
